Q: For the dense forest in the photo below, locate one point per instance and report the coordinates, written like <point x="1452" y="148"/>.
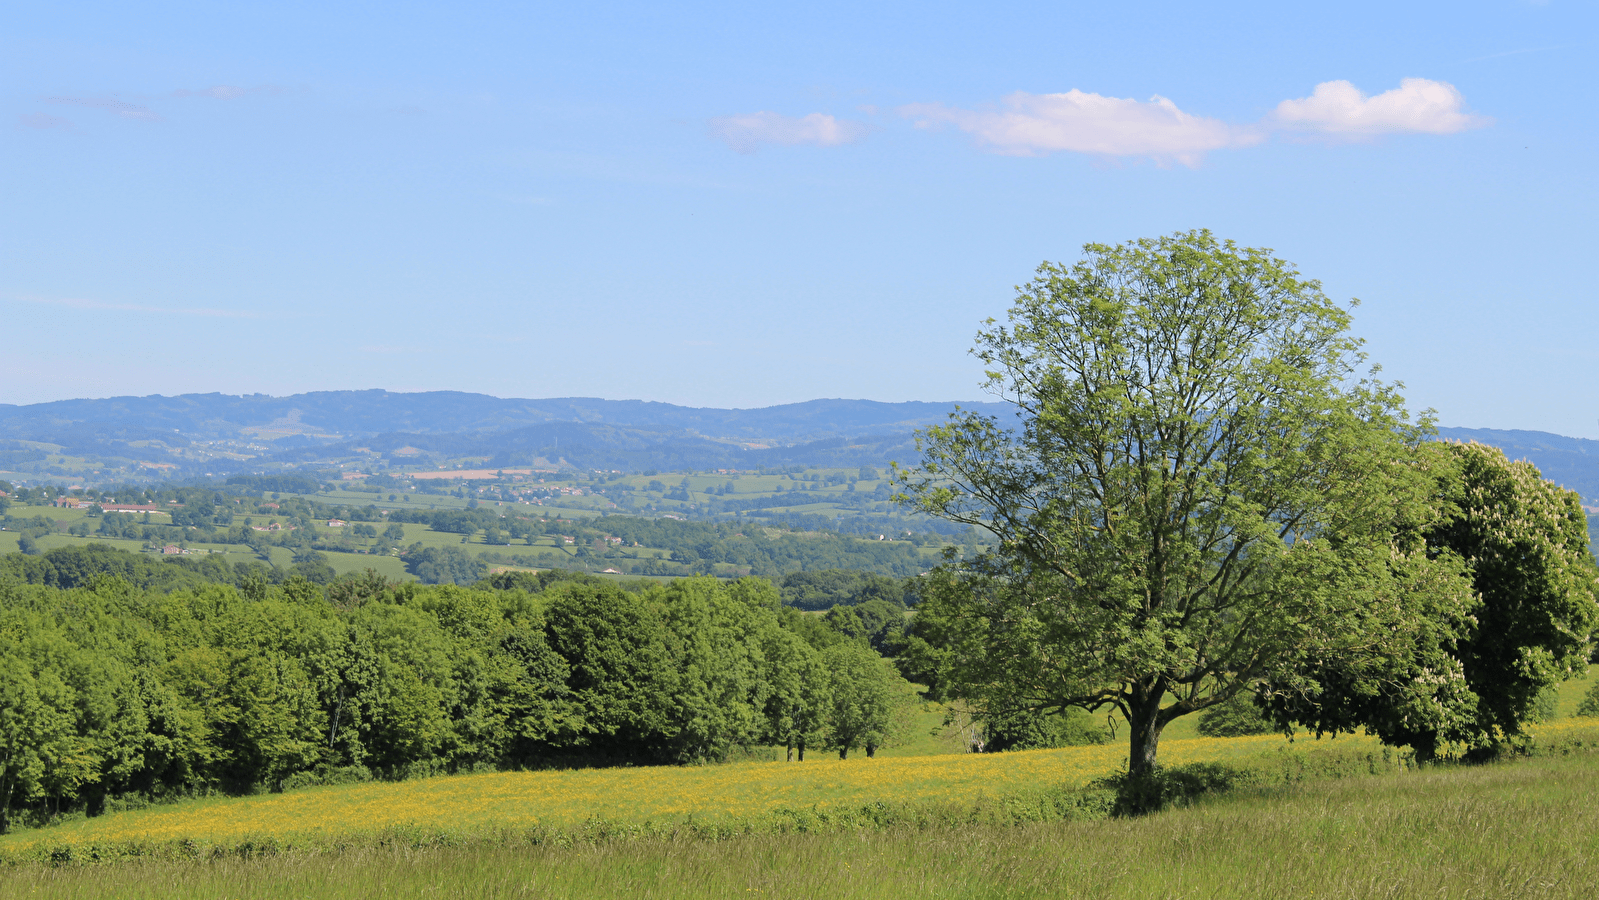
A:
<point x="115" y="694"/>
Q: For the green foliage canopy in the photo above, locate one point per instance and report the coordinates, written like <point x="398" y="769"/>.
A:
<point x="444" y="565"/>
<point x="1524" y="545"/>
<point x="1199" y="496"/>
<point x="110" y="694"/>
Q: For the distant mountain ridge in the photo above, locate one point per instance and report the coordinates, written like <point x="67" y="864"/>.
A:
<point x="201" y="435"/>
<point x="193" y="435"/>
<point x="355" y="413"/>
<point x="1567" y="461"/>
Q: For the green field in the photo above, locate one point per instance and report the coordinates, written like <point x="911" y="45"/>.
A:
<point x="930" y="772"/>
<point x="1518" y="829"/>
<point x="825" y="490"/>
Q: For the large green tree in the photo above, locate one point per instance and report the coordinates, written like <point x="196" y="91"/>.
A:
<point x="1199" y="491"/>
<point x="1525" y="541"/>
<point x="1524" y="545"/>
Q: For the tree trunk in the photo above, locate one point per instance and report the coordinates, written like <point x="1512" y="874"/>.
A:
<point x="1425" y="745"/>
<point x="5" y="801"/>
<point x="338" y="710"/>
<point x="1143" y="728"/>
<point x="791" y="751"/>
<point x="1144" y="736"/>
<point x="1141" y="792"/>
<point x="871" y="751"/>
<point x="843" y="753"/>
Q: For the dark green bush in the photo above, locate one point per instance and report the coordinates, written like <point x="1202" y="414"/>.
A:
<point x="1235" y="717"/>
<point x="1590" y="702"/>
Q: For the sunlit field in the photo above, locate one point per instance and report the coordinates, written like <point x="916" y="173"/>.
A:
<point x="490" y="802"/>
<point x="1337" y="817"/>
<point x="1520" y="829"/>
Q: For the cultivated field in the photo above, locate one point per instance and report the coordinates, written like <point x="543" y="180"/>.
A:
<point x="544" y="551"/>
<point x="467" y="474"/>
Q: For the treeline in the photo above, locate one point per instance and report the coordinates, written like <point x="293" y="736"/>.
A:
<point x="287" y="483"/>
<point x="112" y="696"/>
<point x="827" y="588"/>
<point x="693" y="546"/>
<point x="766" y="551"/>
<point x="71" y="567"/>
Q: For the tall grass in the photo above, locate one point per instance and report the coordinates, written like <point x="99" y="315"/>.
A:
<point x="1521" y="829"/>
<point x="758" y="796"/>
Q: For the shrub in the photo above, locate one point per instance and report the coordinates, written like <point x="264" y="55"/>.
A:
<point x="1590" y="702"/>
<point x="1545" y="704"/>
<point x="1235" y="717"/>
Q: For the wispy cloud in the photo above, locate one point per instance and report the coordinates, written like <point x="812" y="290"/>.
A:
<point x="43" y="120"/>
<point x="1339" y="109"/>
<point x="746" y="133"/>
<point x="1038" y="124"/>
<point x="112" y="105"/>
<point x="77" y="303"/>
<point x="127" y="110"/>
<point x="228" y="91"/>
<point x="1025" y="124"/>
<point x="220" y="92"/>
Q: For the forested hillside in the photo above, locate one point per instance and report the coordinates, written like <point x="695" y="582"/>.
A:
<point x="146" y="438"/>
<point x="432" y="412"/>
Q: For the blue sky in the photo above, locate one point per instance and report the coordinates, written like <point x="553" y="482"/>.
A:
<point x="749" y="204"/>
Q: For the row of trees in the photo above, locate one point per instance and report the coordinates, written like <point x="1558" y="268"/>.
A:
<point x="109" y="693"/>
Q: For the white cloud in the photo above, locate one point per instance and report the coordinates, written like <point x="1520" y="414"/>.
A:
<point x="1417" y="106"/>
<point x="125" y="110"/>
<point x="1039" y="124"/>
<point x="746" y="133"/>
<point x="1036" y="124"/>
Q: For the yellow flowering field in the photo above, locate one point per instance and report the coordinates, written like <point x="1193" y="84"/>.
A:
<point x="659" y="794"/>
<point x="1565" y="733"/>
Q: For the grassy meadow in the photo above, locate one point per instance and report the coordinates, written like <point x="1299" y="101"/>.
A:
<point x="1336" y="817"/>
<point x="928" y="772"/>
<point x="1516" y="829"/>
<point x="658" y="795"/>
<point x="738" y="797"/>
